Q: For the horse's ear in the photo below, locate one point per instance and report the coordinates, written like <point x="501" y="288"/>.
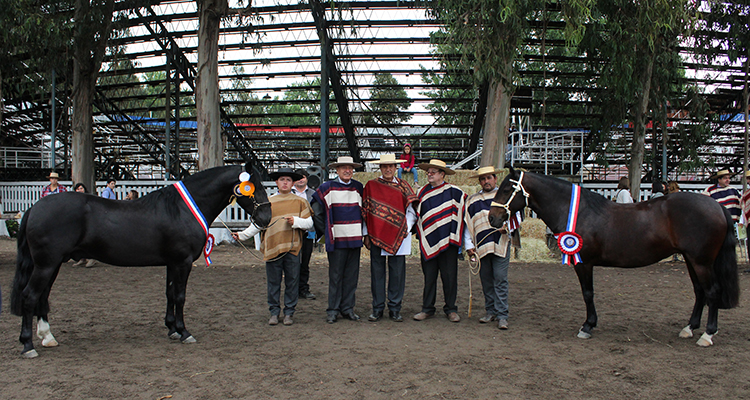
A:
<point x="249" y="167"/>
<point x="511" y="171"/>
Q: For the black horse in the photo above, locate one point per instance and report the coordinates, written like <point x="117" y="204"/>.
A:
<point x="156" y="229"/>
<point x="636" y="235"/>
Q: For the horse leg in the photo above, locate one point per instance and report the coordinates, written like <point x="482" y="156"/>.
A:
<point x="181" y="272"/>
<point x="585" y="274"/>
<point x="700" y="302"/>
<point x="34" y="298"/>
<point x="43" y="332"/>
<point x="712" y="326"/>
<point x="169" y="318"/>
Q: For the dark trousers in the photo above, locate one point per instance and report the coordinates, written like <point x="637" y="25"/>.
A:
<point x="288" y="265"/>
<point x="446" y="264"/>
<point x="396" y="281"/>
<point x="304" y="269"/>
<point x="343" y="275"/>
<point x="493" y="272"/>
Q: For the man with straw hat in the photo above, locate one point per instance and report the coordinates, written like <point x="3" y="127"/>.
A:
<point x="53" y="187"/>
<point x="492" y="247"/>
<point x="338" y="212"/>
<point x="441" y="228"/>
<point x="282" y="242"/>
<point x="725" y="194"/>
<point x="388" y="207"/>
<point x="746" y="208"/>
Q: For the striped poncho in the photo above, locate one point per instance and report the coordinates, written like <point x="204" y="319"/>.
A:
<point x="728" y="197"/>
<point x="343" y="213"/>
<point x="385" y="207"/>
<point x="440" y="218"/>
<point x="487" y="239"/>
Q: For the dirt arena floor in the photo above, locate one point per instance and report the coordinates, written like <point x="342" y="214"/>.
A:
<point x="113" y="344"/>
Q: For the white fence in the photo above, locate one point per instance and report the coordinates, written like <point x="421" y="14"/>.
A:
<point x="19" y="196"/>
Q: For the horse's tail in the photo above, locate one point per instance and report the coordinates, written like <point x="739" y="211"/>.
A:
<point x="24" y="268"/>
<point x="726" y="288"/>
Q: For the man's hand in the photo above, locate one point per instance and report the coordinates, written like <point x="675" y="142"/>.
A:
<point x="289" y="220"/>
<point x="471" y="252"/>
<point x="366" y="242"/>
<point x="236" y="236"/>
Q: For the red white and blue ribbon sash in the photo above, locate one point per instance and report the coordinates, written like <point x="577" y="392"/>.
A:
<point x="182" y="190"/>
<point x="570" y="242"/>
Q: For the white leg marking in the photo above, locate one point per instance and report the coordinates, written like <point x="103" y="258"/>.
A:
<point x="705" y="340"/>
<point x="30" y="354"/>
<point x="189" y="339"/>
<point x="43" y="332"/>
<point x="686" y="332"/>
<point x="583" y="335"/>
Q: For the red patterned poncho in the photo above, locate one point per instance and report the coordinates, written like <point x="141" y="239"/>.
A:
<point x="384" y="204"/>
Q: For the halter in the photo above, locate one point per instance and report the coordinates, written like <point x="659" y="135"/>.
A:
<point x="518" y="187"/>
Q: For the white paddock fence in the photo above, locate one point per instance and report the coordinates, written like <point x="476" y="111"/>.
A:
<point x="17" y="197"/>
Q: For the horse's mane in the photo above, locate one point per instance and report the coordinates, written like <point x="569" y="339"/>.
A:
<point x="594" y="201"/>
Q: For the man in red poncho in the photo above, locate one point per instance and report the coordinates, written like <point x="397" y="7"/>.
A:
<point x="389" y="216"/>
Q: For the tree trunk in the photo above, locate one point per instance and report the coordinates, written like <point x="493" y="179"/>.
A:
<point x="207" y="101"/>
<point x="639" y="130"/>
<point x="496" y="125"/>
<point x="82" y="141"/>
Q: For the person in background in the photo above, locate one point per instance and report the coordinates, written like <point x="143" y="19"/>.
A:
<point x="302" y="190"/>
<point x="657" y="189"/>
<point x="409" y="164"/>
<point x="132" y="195"/>
<point x="623" y="191"/>
<point x="746" y="211"/>
<point x="725" y="194"/>
<point x="674" y="187"/>
<point x="109" y="190"/>
<point x="54" y="187"/>
<point x="492" y="248"/>
<point x="338" y="213"/>
<point x="80" y="188"/>
<point x="441" y="230"/>
<point x="282" y="242"/>
<point x="388" y="204"/>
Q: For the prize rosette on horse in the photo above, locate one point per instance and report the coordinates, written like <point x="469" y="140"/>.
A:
<point x="570" y="242"/>
<point x="185" y="194"/>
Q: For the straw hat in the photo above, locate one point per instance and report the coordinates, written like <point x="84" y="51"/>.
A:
<point x="387" y="159"/>
<point x="747" y="174"/>
<point x="435" y="163"/>
<point x="285" y="172"/>
<point x="721" y="173"/>
<point x="485" y="171"/>
<point x="344" y="160"/>
<point x="53" y="175"/>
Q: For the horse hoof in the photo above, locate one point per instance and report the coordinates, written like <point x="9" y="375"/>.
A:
<point x="584" y="335"/>
<point x="705" y="340"/>
<point x="686" y="332"/>
<point x="189" y="339"/>
<point x="50" y="343"/>
<point x="174" y="336"/>
<point x="30" y="354"/>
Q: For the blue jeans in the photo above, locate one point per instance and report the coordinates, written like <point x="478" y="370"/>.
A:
<point x="413" y="171"/>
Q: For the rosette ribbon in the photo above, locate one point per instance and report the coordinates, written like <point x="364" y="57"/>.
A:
<point x="185" y="194"/>
<point x="570" y="242"/>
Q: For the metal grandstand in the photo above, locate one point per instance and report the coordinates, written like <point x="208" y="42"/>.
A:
<point x="144" y="107"/>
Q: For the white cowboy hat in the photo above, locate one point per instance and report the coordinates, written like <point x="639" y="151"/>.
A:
<point x="485" y="171"/>
<point x="435" y="163"/>
<point x="721" y="173"/>
<point x="53" y="175"/>
<point x="387" y="159"/>
<point x="344" y="160"/>
<point x="747" y="174"/>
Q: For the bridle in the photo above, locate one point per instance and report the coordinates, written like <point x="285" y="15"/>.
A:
<point x="517" y="187"/>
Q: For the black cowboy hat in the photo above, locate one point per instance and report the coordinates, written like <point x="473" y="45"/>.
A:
<point x="285" y="172"/>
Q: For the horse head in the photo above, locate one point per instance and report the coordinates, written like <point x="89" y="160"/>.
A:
<point x="257" y="204"/>
<point x="510" y="198"/>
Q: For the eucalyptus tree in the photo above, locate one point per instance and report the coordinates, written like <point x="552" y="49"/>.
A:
<point x="488" y="35"/>
<point x="726" y="37"/>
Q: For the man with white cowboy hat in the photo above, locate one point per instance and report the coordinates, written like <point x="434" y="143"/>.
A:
<point x="492" y="248"/>
<point x="388" y="206"/>
<point x="338" y="213"/>
<point x="725" y="194"/>
<point x="441" y="229"/>
<point x="53" y="187"/>
<point x="282" y="243"/>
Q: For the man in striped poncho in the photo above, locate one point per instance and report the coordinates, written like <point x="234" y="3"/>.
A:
<point x="338" y="213"/>
<point x="441" y="229"/>
<point x="725" y="194"/>
<point x="492" y="247"/>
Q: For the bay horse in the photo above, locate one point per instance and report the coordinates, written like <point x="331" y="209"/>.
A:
<point x="156" y="229"/>
<point x="635" y="235"/>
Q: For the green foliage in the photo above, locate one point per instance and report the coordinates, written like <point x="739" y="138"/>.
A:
<point x="12" y="226"/>
<point x="387" y="102"/>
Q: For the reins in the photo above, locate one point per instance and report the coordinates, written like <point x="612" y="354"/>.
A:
<point x="518" y="187"/>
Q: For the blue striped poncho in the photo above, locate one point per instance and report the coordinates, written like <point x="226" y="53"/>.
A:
<point x="343" y="206"/>
<point x="440" y="218"/>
